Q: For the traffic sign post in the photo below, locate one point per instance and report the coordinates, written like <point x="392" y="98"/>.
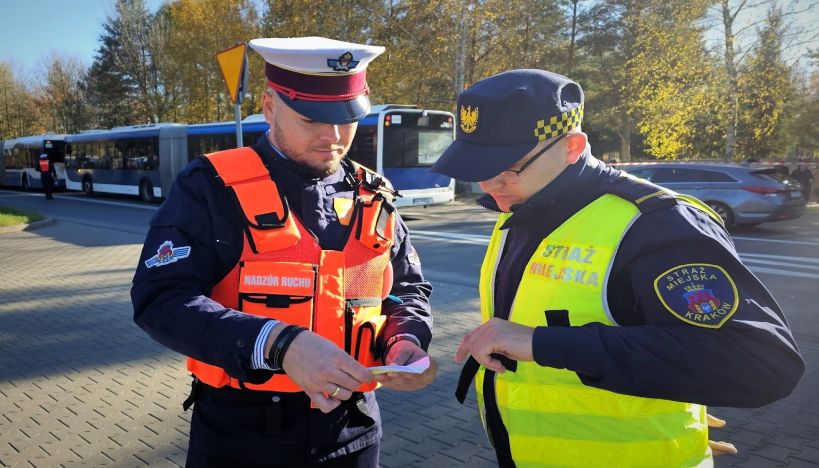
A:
<point x="233" y="63"/>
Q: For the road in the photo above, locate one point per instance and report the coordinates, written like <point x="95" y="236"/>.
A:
<point x="81" y="385"/>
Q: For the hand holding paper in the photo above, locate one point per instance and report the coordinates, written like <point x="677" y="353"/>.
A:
<point x="417" y="367"/>
<point x="408" y="368"/>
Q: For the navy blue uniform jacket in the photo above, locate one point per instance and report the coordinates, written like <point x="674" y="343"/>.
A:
<point x="171" y="301"/>
<point x="750" y="360"/>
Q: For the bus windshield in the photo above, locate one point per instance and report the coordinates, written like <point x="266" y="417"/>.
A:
<point x="414" y="139"/>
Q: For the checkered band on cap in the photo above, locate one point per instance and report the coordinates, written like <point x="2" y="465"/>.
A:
<point x="559" y="124"/>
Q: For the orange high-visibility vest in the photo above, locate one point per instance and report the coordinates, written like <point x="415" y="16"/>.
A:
<point x="284" y="274"/>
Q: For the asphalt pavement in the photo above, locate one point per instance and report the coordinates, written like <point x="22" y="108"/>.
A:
<point x="81" y="385"/>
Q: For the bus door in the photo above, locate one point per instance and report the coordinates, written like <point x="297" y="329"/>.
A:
<point x="173" y="155"/>
<point x="55" y="149"/>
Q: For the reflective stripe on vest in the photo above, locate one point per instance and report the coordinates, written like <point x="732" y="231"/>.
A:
<point x="552" y="418"/>
<point x="284" y="274"/>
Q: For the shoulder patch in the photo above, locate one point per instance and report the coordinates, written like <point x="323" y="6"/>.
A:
<point x="167" y="253"/>
<point x="698" y="293"/>
<point x="413" y="258"/>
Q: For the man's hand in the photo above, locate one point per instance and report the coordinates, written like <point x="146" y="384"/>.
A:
<point x="497" y="336"/>
<point x="719" y="448"/>
<point x="326" y="373"/>
<point x="402" y="353"/>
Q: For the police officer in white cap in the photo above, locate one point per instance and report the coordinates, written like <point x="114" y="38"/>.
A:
<point x="283" y="272"/>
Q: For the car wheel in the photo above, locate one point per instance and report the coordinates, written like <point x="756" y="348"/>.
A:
<point x="87" y="186"/>
<point x="146" y="191"/>
<point x="724" y="212"/>
<point x="26" y="185"/>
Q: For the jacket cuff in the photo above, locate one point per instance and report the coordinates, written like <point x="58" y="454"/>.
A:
<point x="548" y="346"/>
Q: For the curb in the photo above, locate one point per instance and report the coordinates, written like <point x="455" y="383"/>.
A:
<point x="28" y="227"/>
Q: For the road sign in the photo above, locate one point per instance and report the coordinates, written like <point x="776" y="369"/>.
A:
<point x="233" y="62"/>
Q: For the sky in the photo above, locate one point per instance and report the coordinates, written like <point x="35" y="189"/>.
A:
<point x="32" y="29"/>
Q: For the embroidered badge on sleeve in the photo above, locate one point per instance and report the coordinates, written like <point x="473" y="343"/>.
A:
<point x="167" y="253"/>
<point x="413" y="258"/>
<point x="697" y="293"/>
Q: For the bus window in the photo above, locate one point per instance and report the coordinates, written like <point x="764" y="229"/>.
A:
<point x="250" y="139"/>
<point x="109" y="150"/>
<point x="431" y="145"/>
<point x="129" y="148"/>
<point x="416" y="140"/>
<point x="152" y="154"/>
<point x="34" y="155"/>
<point x="364" y="147"/>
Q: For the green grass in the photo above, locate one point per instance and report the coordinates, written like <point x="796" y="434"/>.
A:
<point x="10" y="217"/>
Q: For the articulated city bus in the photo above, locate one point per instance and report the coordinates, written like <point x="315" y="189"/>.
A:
<point x="403" y="142"/>
<point x="210" y="137"/>
<point x="143" y="160"/>
<point x="137" y="160"/>
<point x="19" y="160"/>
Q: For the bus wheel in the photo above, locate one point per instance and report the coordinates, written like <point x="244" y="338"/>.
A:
<point x="146" y="191"/>
<point x="26" y="185"/>
<point x="87" y="186"/>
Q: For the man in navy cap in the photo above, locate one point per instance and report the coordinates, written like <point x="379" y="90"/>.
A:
<point x="614" y="310"/>
<point x="283" y="272"/>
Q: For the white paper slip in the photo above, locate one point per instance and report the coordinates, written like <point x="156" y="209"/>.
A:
<point x="417" y="367"/>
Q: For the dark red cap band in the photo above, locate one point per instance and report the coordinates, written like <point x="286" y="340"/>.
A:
<point x="316" y="87"/>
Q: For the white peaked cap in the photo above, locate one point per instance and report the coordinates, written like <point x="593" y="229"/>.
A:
<point x="311" y="55"/>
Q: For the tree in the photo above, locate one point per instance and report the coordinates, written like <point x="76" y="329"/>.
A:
<point x="19" y="113"/>
<point x="611" y="28"/>
<point x="670" y="77"/>
<point x="62" y="96"/>
<point x="734" y="49"/>
<point x="765" y="88"/>
<point x="801" y="127"/>
<point x="112" y="92"/>
<point x="433" y="49"/>
<point x="200" y="29"/>
<point x="142" y="42"/>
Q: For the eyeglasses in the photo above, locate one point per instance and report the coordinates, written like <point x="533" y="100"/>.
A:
<point x="514" y="174"/>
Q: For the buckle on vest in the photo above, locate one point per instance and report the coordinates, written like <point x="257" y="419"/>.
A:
<point x="269" y="221"/>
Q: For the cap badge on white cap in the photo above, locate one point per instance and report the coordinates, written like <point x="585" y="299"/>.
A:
<point x="344" y="63"/>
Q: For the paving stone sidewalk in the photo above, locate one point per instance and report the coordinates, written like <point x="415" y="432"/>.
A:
<point x="81" y="385"/>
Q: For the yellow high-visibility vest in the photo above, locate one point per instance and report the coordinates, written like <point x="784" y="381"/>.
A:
<point x="552" y="418"/>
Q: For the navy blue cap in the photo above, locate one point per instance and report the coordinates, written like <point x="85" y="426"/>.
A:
<point x="501" y="118"/>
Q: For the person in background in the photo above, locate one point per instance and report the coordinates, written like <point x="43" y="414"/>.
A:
<point x="47" y="175"/>
<point x="805" y="178"/>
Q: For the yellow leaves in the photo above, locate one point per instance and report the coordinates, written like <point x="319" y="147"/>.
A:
<point x="200" y="29"/>
<point x="667" y="72"/>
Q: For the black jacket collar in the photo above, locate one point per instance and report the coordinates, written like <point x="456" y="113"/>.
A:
<point x="580" y="183"/>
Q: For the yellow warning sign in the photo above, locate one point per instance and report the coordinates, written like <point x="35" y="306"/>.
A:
<point x="232" y="63"/>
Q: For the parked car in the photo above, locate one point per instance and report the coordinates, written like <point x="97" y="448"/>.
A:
<point x="741" y="195"/>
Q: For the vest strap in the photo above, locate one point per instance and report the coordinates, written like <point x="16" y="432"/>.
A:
<point x="470" y="370"/>
<point x="267" y="218"/>
<point x="468" y="373"/>
<point x="498" y="435"/>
